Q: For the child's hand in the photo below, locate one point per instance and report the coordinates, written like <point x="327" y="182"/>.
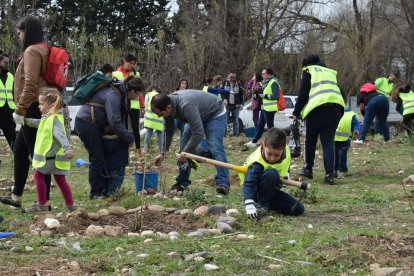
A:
<point x="69" y="154"/>
<point x="251" y="210"/>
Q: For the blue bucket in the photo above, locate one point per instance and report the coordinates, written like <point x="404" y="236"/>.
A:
<point x="250" y="132"/>
<point x="151" y="181"/>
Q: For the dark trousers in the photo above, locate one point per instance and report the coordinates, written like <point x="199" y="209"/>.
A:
<point x="91" y="136"/>
<point x="322" y="122"/>
<point x="408" y="123"/>
<point x="265" y="118"/>
<point x="272" y="198"/>
<point x="7" y="124"/>
<point x="23" y="148"/>
<point x="134" y="115"/>
<point x="341" y="155"/>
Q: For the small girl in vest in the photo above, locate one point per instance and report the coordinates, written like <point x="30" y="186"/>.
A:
<point x="348" y="127"/>
<point x="261" y="184"/>
<point x="52" y="150"/>
<point x="404" y="97"/>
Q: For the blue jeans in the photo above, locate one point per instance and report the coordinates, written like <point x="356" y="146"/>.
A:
<point x="148" y="136"/>
<point x="322" y="122"/>
<point x="116" y="178"/>
<point x="90" y="135"/>
<point x="234" y="111"/>
<point x="185" y="136"/>
<point x="341" y="156"/>
<point x="214" y="131"/>
<point x="379" y="107"/>
<point x="272" y="198"/>
<point x="265" y="118"/>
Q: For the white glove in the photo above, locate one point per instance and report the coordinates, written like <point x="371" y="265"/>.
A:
<point x="18" y="119"/>
<point x="251" y="210"/>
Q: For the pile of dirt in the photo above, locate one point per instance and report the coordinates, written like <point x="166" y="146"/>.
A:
<point x="152" y="220"/>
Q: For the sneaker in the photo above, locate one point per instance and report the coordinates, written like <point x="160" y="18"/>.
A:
<point x="99" y="197"/>
<point x="177" y="187"/>
<point x="329" y="179"/>
<point x="357" y="141"/>
<point x="223" y="190"/>
<point x="72" y="208"/>
<point x="251" y="144"/>
<point x="341" y="175"/>
<point x="10" y="202"/>
<point x="305" y="173"/>
<point x="37" y="209"/>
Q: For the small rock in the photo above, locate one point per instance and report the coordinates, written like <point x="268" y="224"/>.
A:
<point x="170" y="210"/>
<point x="51" y="223"/>
<point x="176" y="198"/>
<point x="173" y="233"/>
<point x="148" y="241"/>
<point x="158" y="196"/>
<point x="209" y="267"/>
<point x="173" y="238"/>
<point x="173" y="193"/>
<point x="28" y="248"/>
<point x="293" y="166"/>
<point x="180" y="193"/>
<point x="195" y="234"/>
<point x="34" y="232"/>
<point x="173" y="255"/>
<point x="205" y="231"/>
<point x="147" y="233"/>
<point x="117" y="211"/>
<point x="292" y="242"/>
<point x="79" y="213"/>
<point x="409" y="180"/>
<point x="185" y="212"/>
<point x="71" y="234"/>
<point x="310" y="226"/>
<point x="224" y="227"/>
<point x="215" y="231"/>
<point x="75" y="265"/>
<point x="384" y="271"/>
<point x="251" y="237"/>
<point x="156" y="208"/>
<point x="199" y="259"/>
<point x="201" y="211"/>
<point x="94" y="231"/>
<point x="62" y="229"/>
<point x="44" y="248"/>
<point x="113" y="231"/>
<point x="216" y="209"/>
<point x="161" y="235"/>
<point x="274" y="266"/>
<point x="32" y="227"/>
<point x="77" y="246"/>
<point x="49" y="215"/>
<point x="242" y="237"/>
<point x="93" y="216"/>
<point x="119" y="249"/>
<point x="46" y="233"/>
<point x="13" y="249"/>
<point x="131" y="234"/>
<point x="103" y="212"/>
<point x="229" y="220"/>
<point x="400" y="172"/>
<point x="125" y="271"/>
<point x="232" y="212"/>
<point x="135" y="210"/>
<point x="130" y="253"/>
<point x="60" y="215"/>
<point x="142" y="255"/>
<point x="191" y="257"/>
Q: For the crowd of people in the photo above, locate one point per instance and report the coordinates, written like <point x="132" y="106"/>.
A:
<point x="43" y="140"/>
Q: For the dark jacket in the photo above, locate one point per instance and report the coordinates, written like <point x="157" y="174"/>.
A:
<point x="235" y="95"/>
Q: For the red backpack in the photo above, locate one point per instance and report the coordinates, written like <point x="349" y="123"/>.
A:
<point x="281" y="103"/>
<point x="57" y="69"/>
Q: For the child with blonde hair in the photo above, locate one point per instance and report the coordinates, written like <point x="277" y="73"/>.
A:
<point x="52" y="151"/>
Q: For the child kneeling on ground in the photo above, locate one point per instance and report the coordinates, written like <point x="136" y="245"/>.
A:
<point x="52" y="150"/>
<point x="261" y="184"/>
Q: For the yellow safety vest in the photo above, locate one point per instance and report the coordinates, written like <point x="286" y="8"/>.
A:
<point x="384" y="86"/>
<point x="407" y="102"/>
<point x="344" y="129"/>
<point x="324" y="89"/>
<point x="120" y="76"/>
<point x="205" y="88"/>
<point x="6" y="94"/>
<point x="256" y="156"/>
<point x="44" y="141"/>
<point x="152" y="120"/>
<point x="269" y="105"/>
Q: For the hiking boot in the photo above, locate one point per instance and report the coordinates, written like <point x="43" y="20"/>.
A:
<point x="341" y="175"/>
<point x="37" y="209"/>
<point x="222" y="190"/>
<point x="329" y="179"/>
<point x="10" y="202"/>
<point x="72" y="208"/>
<point x="305" y="173"/>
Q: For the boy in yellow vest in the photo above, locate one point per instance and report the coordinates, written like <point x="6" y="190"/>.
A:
<point x="348" y="127"/>
<point x="261" y="184"/>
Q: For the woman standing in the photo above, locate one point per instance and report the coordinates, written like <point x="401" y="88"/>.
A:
<point x="28" y="82"/>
